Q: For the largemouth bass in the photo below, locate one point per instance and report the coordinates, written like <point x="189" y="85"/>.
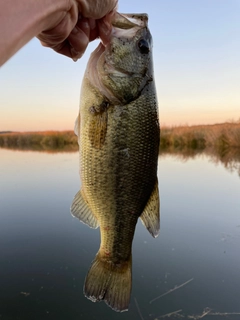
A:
<point x="118" y="134"/>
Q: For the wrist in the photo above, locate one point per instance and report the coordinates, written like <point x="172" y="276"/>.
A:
<point x="28" y="18"/>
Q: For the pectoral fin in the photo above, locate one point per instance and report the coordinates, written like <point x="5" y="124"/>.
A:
<point x="98" y="124"/>
<point x="151" y="213"/>
<point x="81" y="210"/>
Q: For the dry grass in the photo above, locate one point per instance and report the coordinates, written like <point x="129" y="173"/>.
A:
<point x="47" y="140"/>
<point x="202" y="136"/>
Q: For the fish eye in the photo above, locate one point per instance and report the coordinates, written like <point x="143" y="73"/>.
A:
<point x="143" y="46"/>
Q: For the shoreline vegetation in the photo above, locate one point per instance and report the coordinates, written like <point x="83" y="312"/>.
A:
<point x="200" y="137"/>
<point x="52" y="141"/>
<point x="179" y="138"/>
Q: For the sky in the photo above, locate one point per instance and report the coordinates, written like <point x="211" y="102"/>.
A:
<point x="196" y="63"/>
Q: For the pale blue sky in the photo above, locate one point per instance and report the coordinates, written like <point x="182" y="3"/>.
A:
<point x="196" y="59"/>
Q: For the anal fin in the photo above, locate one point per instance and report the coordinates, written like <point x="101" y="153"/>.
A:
<point x="151" y="213"/>
<point x="81" y="210"/>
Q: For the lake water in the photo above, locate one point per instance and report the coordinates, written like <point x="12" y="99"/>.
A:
<point x="45" y="253"/>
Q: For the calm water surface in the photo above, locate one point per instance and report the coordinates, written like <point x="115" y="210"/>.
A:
<point x="45" y="253"/>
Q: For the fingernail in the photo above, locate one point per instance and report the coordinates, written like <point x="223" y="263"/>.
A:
<point x="75" y="30"/>
<point x="75" y="55"/>
<point x="92" y="23"/>
<point x="83" y="23"/>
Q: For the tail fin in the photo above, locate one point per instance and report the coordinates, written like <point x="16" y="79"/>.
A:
<point x="109" y="282"/>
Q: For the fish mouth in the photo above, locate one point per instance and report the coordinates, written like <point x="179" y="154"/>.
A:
<point x="127" y="25"/>
<point x="129" y="20"/>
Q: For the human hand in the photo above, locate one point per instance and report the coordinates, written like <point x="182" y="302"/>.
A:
<point x="69" y="29"/>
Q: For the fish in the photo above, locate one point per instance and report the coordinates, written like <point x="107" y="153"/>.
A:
<point x="118" y="134"/>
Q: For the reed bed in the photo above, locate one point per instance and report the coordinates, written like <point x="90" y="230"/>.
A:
<point x="47" y="140"/>
<point x="219" y="136"/>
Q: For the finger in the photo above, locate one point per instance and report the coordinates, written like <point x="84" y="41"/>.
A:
<point x="105" y="28"/>
<point x="79" y="39"/>
<point x="62" y="48"/>
<point x="66" y="49"/>
<point x="93" y="29"/>
<point x="60" y="32"/>
<point x="73" y="47"/>
<point x="75" y="44"/>
<point x="84" y="25"/>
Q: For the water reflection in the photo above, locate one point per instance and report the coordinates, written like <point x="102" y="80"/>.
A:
<point x="228" y="157"/>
